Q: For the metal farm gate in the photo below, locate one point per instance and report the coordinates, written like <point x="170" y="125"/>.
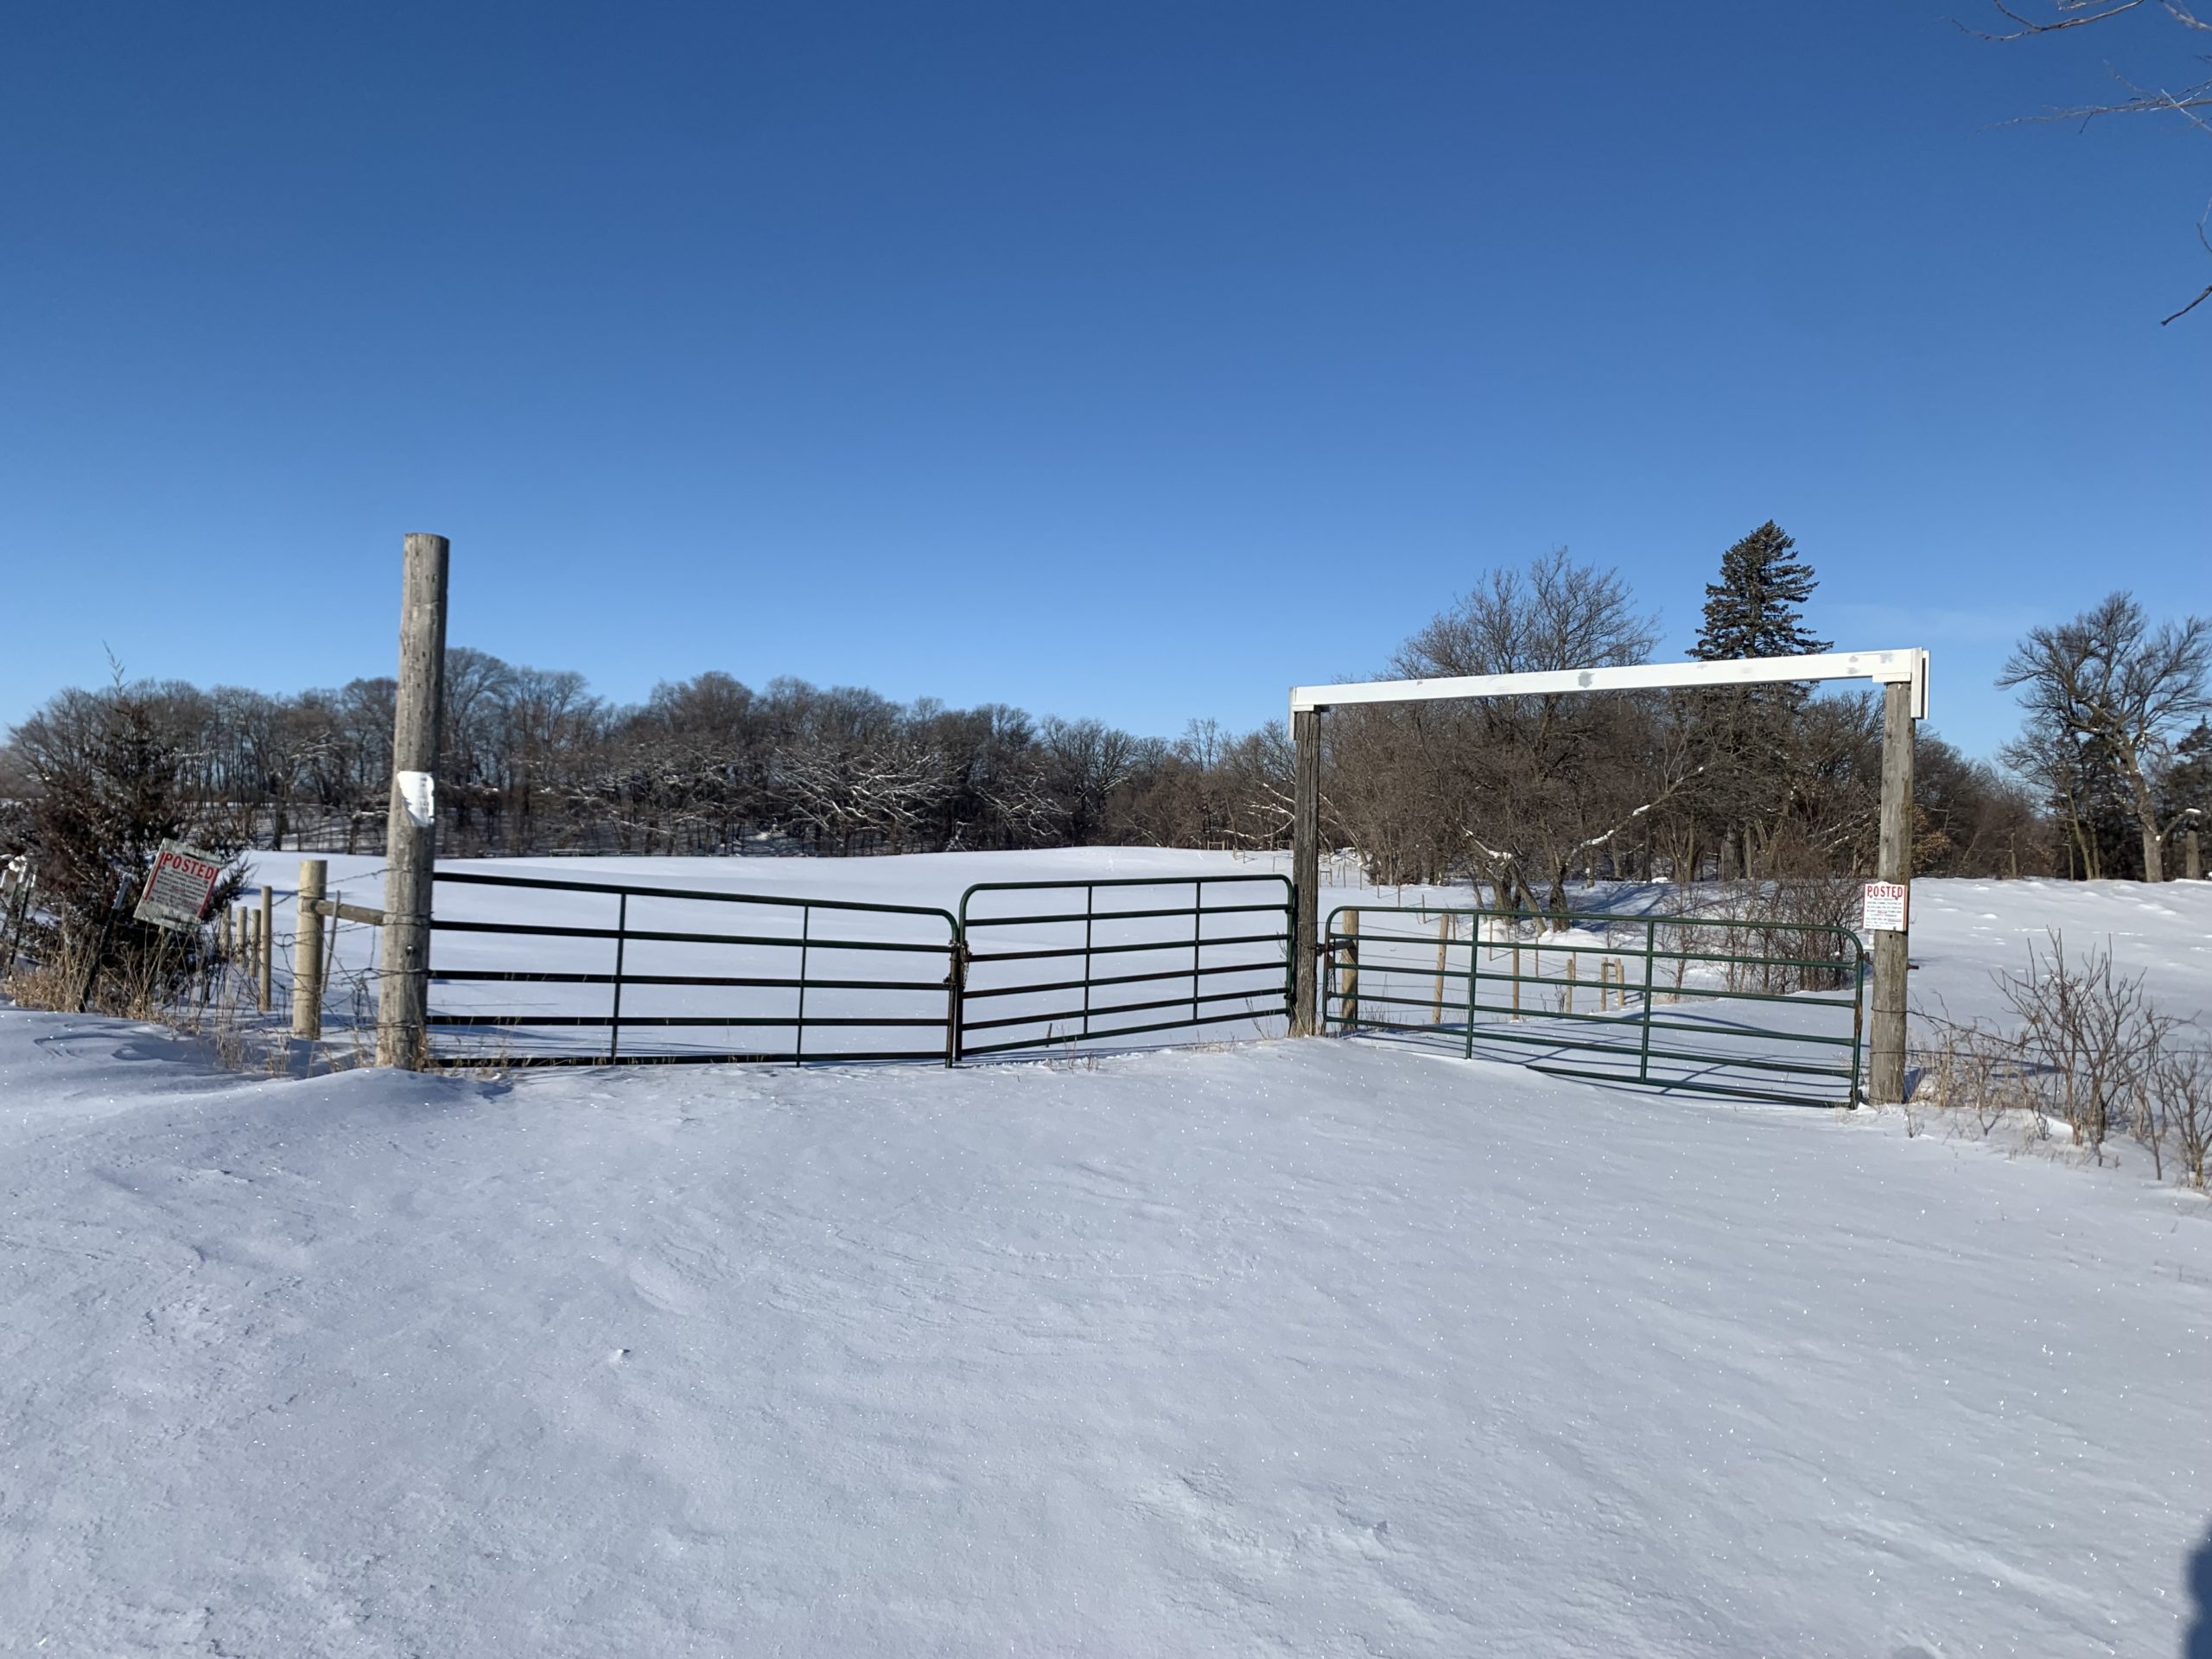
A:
<point x="1139" y="957"/>
<point x="534" y="970"/>
<point x="606" y="973"/>
<point x="1756" y="1010"/>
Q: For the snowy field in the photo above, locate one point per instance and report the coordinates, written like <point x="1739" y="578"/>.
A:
<point x="1316" y="1348"/>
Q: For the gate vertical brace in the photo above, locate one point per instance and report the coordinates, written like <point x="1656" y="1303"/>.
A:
<point x="798" y="1031"/>
<point x="1885" y="1078"/>
<point x="956" y="987"/>
<point x="1090" y="909"/>
<point x="1306" y="872"/>
<point x="1197" y="941"/>
<point x="1474" y="976"/>
<point x="621" y="938"/>
<point x="1644" y="1055"/>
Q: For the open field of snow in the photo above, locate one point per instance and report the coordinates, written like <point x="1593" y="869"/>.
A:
<point x="1318" y="1347"/>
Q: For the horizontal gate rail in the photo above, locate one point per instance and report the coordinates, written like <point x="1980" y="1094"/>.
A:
<point x="1090" y="1018"/>
<point x="804" y="948"/>
<point x="1371" y="971"/>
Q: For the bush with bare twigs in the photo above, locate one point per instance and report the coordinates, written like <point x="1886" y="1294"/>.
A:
<point x="2087" y="1048"/>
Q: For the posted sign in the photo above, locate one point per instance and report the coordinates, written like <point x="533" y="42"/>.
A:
<point x="1885" y="907"/>
<point x="178" y="892"/>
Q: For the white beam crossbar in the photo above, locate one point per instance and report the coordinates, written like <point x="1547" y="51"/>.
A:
<point x="1883" y="667"/>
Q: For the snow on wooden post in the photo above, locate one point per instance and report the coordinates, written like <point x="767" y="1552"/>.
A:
<point x="1305" y="875"/>
<point x="403" y="983"/>
<point x="1893" y="867"/>
<point x="307" y="952"/>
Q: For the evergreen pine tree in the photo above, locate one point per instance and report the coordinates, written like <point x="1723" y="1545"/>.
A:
<point x="1752" y="611"/>
<point x="1749" y="731"/>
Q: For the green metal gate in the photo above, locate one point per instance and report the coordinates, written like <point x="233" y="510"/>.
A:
<point x="1138" y="956"/>
<point x="1751" y="1009"/>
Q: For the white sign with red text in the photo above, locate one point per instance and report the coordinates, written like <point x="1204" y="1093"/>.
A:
<point x="180" y="887"/>
<point x="1884" y="911"/>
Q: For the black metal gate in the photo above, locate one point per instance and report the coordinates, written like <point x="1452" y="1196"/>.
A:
<point x="787" y="979"/>
<point x="607" y="973"/>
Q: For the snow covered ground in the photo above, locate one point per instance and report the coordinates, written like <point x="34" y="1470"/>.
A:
<point x="1316" y="1347"/>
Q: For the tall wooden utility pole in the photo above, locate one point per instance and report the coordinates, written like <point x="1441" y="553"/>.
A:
<point x="1306" y="877"/>
<point x="411" y="841"/>
<point x="1893" y="863"/>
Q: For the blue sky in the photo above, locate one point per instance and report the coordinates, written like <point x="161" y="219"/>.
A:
<point x="1133" y="360"/>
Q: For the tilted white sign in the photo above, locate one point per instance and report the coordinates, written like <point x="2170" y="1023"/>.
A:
<point x="179" y="888"/>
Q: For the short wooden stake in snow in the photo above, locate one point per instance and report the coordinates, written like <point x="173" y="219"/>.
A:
<point x="264" y="938"/>
<point x="307" y="953"/>
<point x="404" y="982"/>
<point x="1352" y="969"/>
<point x="1443" y="939"/>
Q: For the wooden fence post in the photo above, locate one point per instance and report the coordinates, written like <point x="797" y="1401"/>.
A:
<point x="1305" y="875"/>
<point x="410" y="846"/>
<point x="1351" y="970"/>
<point x="1443" y="940"/>
<point x="264" y="934"/>
<point x="307" y="952"/>
<point x="1892" y="953"/>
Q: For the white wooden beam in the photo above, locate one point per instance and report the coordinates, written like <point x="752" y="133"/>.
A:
<point x="1883" y="667"/>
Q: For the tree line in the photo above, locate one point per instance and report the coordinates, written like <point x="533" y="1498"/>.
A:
<point x="1527" y="794"/>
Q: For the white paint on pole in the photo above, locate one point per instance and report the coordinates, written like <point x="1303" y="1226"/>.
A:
<point x="419" y="791"/>
<point x="180" y="888"/>
<point x="1883" y="907"/>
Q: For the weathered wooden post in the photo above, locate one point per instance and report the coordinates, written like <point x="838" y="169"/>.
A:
<point x="264" y="938"/>
<point x="307" y="952"/>
<point x="1444" y="930"/>
<point x="1349" y="977"/>
<point x="1305" y="875"/>
<point x="410" y="845"/>
<point x="1893" y="865"/>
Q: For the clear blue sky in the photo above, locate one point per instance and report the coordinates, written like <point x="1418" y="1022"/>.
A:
<point x="1130" y="360"/>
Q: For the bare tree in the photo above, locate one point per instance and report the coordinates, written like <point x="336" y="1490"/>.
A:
<point x="2112" y="680"/>
<point x="1523" y="791"/>
<point x="2190" y="100"/>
